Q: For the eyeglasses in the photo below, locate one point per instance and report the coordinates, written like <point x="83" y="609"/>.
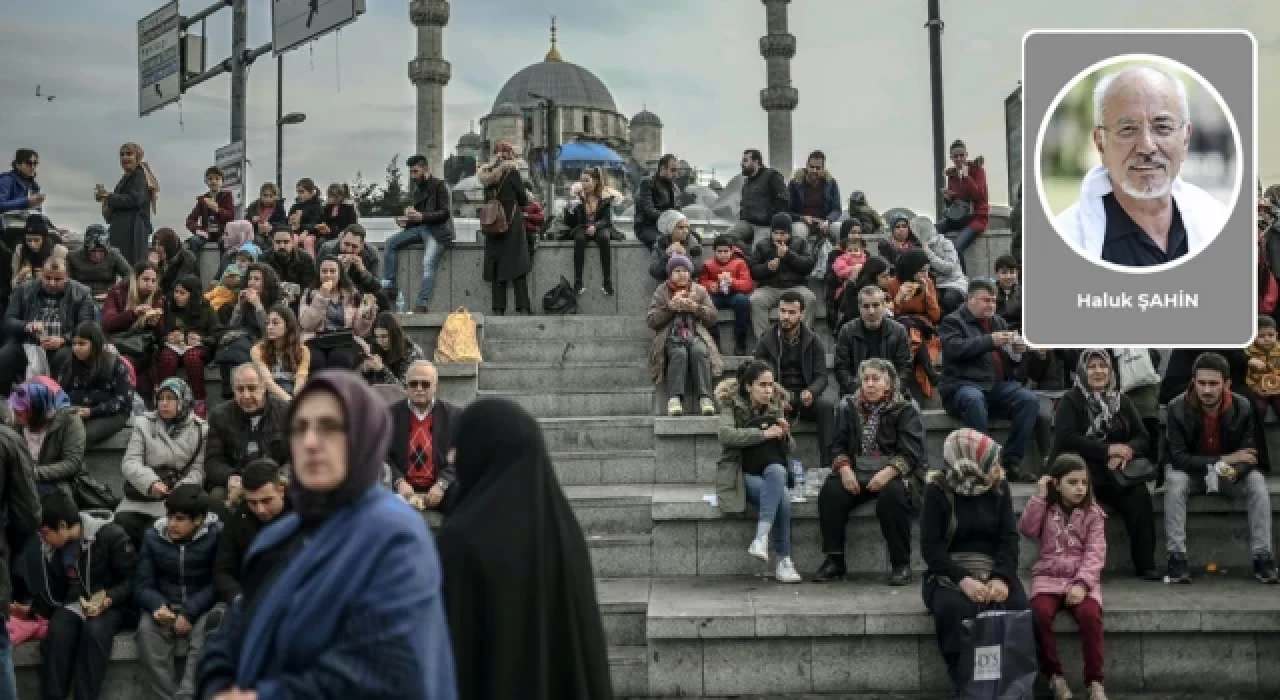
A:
<point x="418" y="384"/>
<point x="1127" y="132"/>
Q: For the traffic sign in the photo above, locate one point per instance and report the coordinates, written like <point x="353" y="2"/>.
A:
<point x="159" y="59"/>
<point x="230" y="160"/>
<point x="296" y="22"/>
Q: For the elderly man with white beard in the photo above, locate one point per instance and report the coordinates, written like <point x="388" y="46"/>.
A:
<point x="1134" y="209"/>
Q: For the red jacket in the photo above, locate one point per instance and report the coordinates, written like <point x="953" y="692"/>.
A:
<point x="198" y="218"/>
<point x="973" y="188"/>
<point x="117" y="317"/>
<point x="739" y="273"/>
<point x="533" y="217"/>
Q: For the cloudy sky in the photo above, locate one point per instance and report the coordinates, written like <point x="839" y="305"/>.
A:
<point x="861" y="68"/>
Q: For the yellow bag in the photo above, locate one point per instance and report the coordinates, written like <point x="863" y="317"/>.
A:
<point x="457" y="341"/>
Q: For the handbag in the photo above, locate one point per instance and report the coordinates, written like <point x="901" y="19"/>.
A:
<point x="560" y="299"/>
<point x="958" y="210"/>
<point x="493" y="218"/>
<point x="135" y="343"/>
<point x="341" y="338"/>
<point x="457" y="341"/>
<point x="1136" y="370"/>
<point x="1138" y="471"/>
<point x="867" y="467"/>
<point x="1002" y="655"/>
<point x="91" y="494"/>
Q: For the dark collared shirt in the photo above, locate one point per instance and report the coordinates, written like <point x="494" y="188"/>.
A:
<point x="1125" y="243"/>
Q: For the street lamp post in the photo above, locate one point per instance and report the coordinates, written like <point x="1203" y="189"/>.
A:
<point x="282" y="120"/>
<point x="549" y="107"/>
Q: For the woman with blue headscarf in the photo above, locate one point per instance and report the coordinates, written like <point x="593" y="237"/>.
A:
<point x="54" y="433"/>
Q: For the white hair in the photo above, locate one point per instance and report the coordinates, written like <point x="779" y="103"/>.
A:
<point x="1102" y="90"/>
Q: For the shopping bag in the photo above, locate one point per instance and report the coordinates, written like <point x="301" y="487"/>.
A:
<point x="1002" y="656"/>
<point x="457" y="341"/>
<point x="1136" y="369"/>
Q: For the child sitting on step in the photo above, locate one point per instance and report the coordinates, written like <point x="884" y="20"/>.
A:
<point x="1068" y="525"/>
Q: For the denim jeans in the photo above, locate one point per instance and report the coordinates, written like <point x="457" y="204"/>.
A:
<point x="8" y="682"/>
<point x="431" y="255"/>
<point x="741" y="305"/>
<point x="1251" y="491"/>
<point x="769" y="494"/>
<point x="1008" y="399"/>
<point x="963" y="239"/>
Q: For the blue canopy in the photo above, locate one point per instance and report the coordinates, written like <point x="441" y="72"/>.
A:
<point x="587" y="153"/>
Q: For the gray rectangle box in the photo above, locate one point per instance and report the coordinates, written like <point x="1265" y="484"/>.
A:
<point x="1208" y="299"/>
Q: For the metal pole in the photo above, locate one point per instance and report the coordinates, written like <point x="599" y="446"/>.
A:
<point x="935" y="86"/>
<point x="279" y="122"/>
<point x="551" y="151"/>
<point x="239" y="69"/>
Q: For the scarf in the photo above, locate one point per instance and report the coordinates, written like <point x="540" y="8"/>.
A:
<point x="1103" y="406"/>
<point x="871" y="415"/>
<point x="186" y="401"/>
<point x="968" y="457"/>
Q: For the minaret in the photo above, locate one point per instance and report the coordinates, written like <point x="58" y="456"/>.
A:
<point x="779" y="99"/>
<point x="430" y="73"/>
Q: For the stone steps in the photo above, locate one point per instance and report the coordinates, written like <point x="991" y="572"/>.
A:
<point x="554" y="376"/>
<point x="529" y="328"/>
<point x="583" y="402"/>
<point x="751" y="637"/>
<point x="567" y="350"/>
<point x="584" y="434"/>
<point x="595" y="467"/>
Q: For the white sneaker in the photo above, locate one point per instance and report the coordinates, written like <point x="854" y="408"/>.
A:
<point x="759" y="549"/>
<point x="1061" y="691"/>
<point x="786" y="572"/>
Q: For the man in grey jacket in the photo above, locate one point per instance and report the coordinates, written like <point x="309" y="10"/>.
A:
<point x="43" y="313"/>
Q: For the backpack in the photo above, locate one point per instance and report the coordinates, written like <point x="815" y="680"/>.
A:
<point x="561" y="299"/>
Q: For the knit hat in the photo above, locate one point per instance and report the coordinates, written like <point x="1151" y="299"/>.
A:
<point x="251" y="249"/>
<point x="668" y="219"/>
<point x="233" y="269"/>
<point x="96" y="238"/>
<point x="969" y="457"/>
<point x="678" y="260"/>
<point x="781" y="222"/>
<point x="36" y="225"/>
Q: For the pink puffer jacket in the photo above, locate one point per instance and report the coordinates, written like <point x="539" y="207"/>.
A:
<point x="1073" y="549"/>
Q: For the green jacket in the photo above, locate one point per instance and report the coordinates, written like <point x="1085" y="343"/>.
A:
<point x="62" y="453"/>
<point x="731" y="492"/>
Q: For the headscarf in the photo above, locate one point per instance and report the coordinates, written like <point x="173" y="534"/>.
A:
<point x="368" y="434"/>
<point x="238" y="233"/>
<point x="168" y="241"/>
<point x="186" y="401"/>
<point x="922" y="228"/>
<point x="39" y="396"/>
<point x="520" y="584"/>
<point x="668" y="219"/>
<point x="153" y="185"/>
<point x="251" y="248"/>
<point x="1103" y="406"/>
<point x="968" y="458"/>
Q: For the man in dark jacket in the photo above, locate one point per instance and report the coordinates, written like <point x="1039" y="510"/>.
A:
<point x="1211" y="450"/>
<point x="980" y="357"/>
<point x="77" y="557"/>
<point x="780" y="263"/>
<point x="175" y="590"/>
<point x="265" y="499"/>
<point x="240" y="431"/>
<point x="815" y="197"/>
<point x="890" y="474"/>
<point x="293" y="265"/>
<point x="429" y="222"/>
<point x="764" y="196"/>
<point x="98" y="264"/>
<point x="800" y="366"/>
<point x="43" y="312"/>
<point x="655" y="195"/>
<point x="871" y="335"/>
<point x="422" y="434"/>
<point x="20" y="513"/>
<point x="360" y="261"/>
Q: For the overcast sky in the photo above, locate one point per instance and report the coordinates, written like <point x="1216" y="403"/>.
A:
<point x="861" y="68"/>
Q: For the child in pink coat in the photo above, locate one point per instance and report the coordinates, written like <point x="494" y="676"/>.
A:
<point x="1070" y="529"/>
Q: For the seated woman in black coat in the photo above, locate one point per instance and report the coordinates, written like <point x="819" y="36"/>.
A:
<point x="1099" y="423"/>
<point x="969" y="539"/>
<point x="97" y="381"/>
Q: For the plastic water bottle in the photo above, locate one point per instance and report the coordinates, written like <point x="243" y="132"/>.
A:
<point x="797" y="473"/>
<point x="399" y="302"/>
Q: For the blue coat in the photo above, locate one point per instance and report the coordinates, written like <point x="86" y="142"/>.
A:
<point x="831" y="196"/>
<point x="356" y="613"/>
<point x="14" y="190"/>
<point x="171" y="573"/>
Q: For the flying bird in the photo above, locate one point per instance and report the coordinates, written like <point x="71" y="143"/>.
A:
<point x="50" y="98"/>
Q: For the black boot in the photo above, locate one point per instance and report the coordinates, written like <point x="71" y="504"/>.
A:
<point x="740" y="344"/>
<point x="900" y="576"/>
<point x="831" y="570"/>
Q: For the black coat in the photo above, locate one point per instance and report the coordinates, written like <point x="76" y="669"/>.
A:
<point x="24" y="307"/>
<point x="1009" y="305"/>
<point x="129" y="216"/>
<point x="852" y="350"/>
<point x="108" y="562"/>
<point x="794" y="269"/>
<point x="312" y="211"/>
<point x="1049" y="373"/>
<point x="443" y="417"/>
<point x="813" y="357"/>
<point x="233" y="545"/>
<point x="19" y="506"/>
<point x="900" y="438"/>
<point x="1071" y="422"/>
<point x="658" y="258"/>
<point x="966" y="352"/>
<point x="431" y="199"/>
<point x="279" y="219"/>
<point x="337" y="219"/>
<point x="178" y="573"/>
<point x="653" y="197"/>
<point x="1184" y="425"/>
<point x="506" y="255"/>
<point x="297" y="267"/>
<point x="180" y="266"/>
<point x="229" y="438"/>
<point x="1177" y="374"/>
<point x="763" y="195"/>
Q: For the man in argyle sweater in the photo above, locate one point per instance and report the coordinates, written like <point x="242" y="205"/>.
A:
<point x="420" y="444"/>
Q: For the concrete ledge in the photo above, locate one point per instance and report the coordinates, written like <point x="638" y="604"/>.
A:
<point x="753" y="637"/>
